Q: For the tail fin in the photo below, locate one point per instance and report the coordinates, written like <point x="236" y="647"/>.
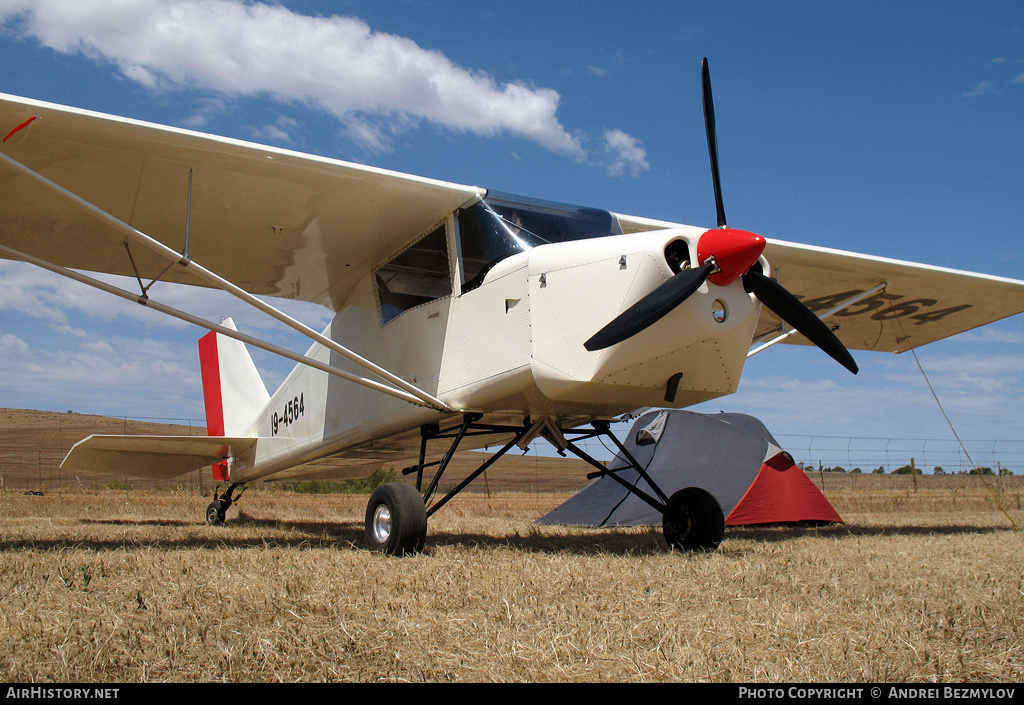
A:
<point x="233" y="390"/>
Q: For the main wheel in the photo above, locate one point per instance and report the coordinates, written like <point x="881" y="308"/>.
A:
<point x="215" y="513"/>
<point x="693" y="521"/>
<point x="396" y="520"/>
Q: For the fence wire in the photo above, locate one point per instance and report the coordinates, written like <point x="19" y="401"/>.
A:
<point x="30" y="461"/>
<point x="928" y="455"/>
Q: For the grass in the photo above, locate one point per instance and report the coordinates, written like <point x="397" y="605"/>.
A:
<point x="115" y="586"/>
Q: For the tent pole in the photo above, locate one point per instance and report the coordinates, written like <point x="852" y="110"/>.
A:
<point x="603" y="429"/>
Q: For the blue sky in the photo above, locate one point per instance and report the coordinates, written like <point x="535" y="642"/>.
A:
<point x="884" y="128"/>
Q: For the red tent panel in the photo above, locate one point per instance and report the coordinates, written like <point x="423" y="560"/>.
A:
<point x="781" y="492"/>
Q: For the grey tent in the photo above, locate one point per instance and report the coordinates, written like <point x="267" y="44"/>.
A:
<point x="731" y="456"/>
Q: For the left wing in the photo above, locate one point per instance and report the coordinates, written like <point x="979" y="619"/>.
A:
<point x="269" y="220"/>
<point x="918" y="305"/>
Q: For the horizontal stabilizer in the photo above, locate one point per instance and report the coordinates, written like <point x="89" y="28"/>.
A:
<point x="151" y="457"/>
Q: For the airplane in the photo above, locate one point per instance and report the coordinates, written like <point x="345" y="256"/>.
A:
<point x="461" y="314"/>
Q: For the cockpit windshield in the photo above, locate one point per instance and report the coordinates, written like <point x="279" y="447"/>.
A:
<point x="502" y="225"/>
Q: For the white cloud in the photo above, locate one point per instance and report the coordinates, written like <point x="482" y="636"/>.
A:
<point x="374" y="135"/>
<point x="625" y="154"/>
<point x="992" y="335"/>
<point x="106" y="376"/>
<point x="338" y="64"/>
<point x="280" y="131"/>
<point x="205" y="109"/>
<point x="12" y="345"/>
<point x="983" y="88"/>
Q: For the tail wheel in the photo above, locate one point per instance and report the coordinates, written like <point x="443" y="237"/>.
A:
<point x="693" y="521"/>
<point x="396" y="520"/>
<point x="216" y="513"/>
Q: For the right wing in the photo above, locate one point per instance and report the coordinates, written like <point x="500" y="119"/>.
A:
<point x="919" y="305"/>
<point x="269" y="220"/>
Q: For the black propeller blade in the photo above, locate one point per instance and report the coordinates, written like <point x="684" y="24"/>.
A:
<point x="709" y="127"/>
<point x="768" y="291"/>
<point x="676" y="290"/>
<point x="650" y="308"/>
<point x="682" y="285"/>
<point x="795" y="313"/>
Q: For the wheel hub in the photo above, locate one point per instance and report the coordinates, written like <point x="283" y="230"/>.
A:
<point x="382" y="523"/>
<point x="682" y="521"/>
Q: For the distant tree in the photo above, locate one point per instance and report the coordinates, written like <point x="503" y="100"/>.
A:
<point x="906" y="470"/>
<point x="1005" y="471"/>
<point x="856" y="470"/>
<point x="938" y="470"/>
<point x="837" y="468"/>
<point x="880" y="470"/>
<point x="982" y="471"/>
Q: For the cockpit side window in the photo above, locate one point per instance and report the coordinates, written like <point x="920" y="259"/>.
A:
<point x="487" y="237"/>
<point x="418" y="275"/>
<point x="503" y="225"/>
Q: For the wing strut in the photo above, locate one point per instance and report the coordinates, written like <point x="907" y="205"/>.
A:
<point x="188" y="317"/>
<point x="830" y="312"/>
<point x="421" y="397"/>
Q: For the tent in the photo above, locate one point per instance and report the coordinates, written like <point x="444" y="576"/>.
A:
<point x="731" y="456"/>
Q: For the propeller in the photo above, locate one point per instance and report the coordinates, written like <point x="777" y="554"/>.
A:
<point x="724" y="255"/>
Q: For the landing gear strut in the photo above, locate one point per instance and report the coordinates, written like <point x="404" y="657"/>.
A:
<point x="396" y="515"/>
<point x="216" y="513"/>
<point x="692" y="519"/>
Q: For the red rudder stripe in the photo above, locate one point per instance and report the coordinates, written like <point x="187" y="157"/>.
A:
<point x="209" y="365"/>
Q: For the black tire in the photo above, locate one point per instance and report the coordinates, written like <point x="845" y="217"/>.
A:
<point x="693" y="521"/>
<point x="215" y="513"/>
<point x="396" y="520"/>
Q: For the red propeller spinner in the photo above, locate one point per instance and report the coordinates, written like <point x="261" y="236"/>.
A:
<point x="735" y="252"/>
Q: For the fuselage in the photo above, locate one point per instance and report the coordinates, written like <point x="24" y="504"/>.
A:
<point x="491" y="316"/>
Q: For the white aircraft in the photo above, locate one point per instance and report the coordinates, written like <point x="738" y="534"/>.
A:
<point x="460" y="313"/>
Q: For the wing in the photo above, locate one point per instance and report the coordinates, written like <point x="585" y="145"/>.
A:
<point x="919" y="304"/>
<point x="271" y="221"/>
<point x="154" y="457"/>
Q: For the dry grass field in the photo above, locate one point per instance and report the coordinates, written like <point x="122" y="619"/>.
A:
<point x="924" y="582"/>
<point x="115" y="586"/>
